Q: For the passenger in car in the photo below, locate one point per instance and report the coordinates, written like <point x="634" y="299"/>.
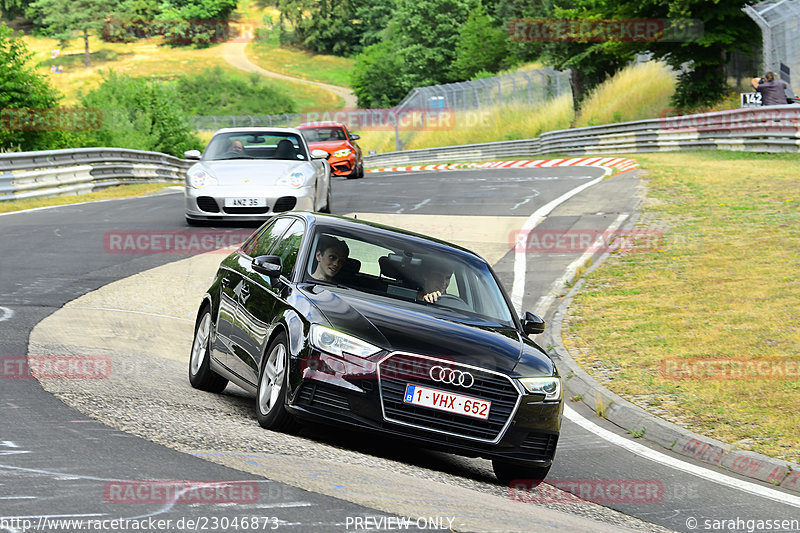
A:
<point x="331" y="255"/>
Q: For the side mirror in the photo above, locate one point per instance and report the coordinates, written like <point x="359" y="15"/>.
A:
<point x="268" y="265"/>
<point x="192" y="154"/>
<point x="319" y="154"/>
<point x="532" y="324"/>
<point x="354" y="137"/>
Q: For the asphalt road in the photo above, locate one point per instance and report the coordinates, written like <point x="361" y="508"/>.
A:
<point x="57" y="462"/>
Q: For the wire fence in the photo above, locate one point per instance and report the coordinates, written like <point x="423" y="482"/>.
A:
<point x="527" y="88"/>
<point x="779" y="21"/>
<point x="530" y="87"/>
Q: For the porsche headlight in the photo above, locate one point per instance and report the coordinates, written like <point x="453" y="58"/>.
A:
<point x="294" y="180"/>
<point x="201" y="179"/>
<point x="344" y="152"/>
<point x="331" y="341"/>
<point x="550" y="387"/>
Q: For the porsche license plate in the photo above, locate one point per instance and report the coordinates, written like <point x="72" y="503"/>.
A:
<point x="245" y="202"/>
<point x="447" y="401"/>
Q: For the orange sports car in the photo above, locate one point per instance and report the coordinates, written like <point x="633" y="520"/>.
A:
<point x="333" y="137"/>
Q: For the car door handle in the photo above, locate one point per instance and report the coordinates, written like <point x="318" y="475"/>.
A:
<point x="225" y="281"/>
<point x="245" y="290"/>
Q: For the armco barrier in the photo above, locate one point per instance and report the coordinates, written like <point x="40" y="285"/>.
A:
<point x="57" y="172"/>
<point x="764" y="129"/>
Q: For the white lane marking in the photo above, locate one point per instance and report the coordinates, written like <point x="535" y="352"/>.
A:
<point x="5" y="313"/>
<point x="520" y="267"/>
<point x="422" y="203"/>
<point x="699" y="471"/>
<point x="558" y="285"/>
<point x="520" y="264"/>
<point x="14" y="448"/>
<point x="18" y="497"/>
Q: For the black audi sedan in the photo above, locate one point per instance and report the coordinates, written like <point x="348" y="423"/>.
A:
<point x="335" y="320"/>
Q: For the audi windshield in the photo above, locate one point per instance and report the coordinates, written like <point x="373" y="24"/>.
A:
<point x="408" y="271"/>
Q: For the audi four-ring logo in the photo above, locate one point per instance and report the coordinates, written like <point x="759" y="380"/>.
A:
<point x="451" y="376"/>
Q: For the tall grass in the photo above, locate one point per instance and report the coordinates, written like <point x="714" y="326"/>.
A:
<point x="478" y="126"/>
<point x="637" y="92"/>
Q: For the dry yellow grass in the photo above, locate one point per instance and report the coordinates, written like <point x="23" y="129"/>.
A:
<point x="505" y="123"/>
<point x="724" y="284"/>
<point x="151" y="58"/>
<point x="636" y="92"/>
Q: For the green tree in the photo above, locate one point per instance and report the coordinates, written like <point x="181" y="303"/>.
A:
<point x="330" y="26"/>
<point x="63" y="18"/>
<point x="22" y="88"/>
<point x="482" y="46"/>
<point x="10" y="9"/>
<point x="701" y="55"/>
<point x="374" y="79"/>
<point x="590" y="63"/>
<point x="375" y="17"/>
<point x="141" y="114"/>
<point x="425" y="33"/>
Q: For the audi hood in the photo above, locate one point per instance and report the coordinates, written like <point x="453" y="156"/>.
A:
<point x="424" y="331"/>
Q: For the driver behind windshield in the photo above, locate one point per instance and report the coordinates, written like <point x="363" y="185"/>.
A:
<point x="331" y="256"/>
<point x="435" y="281"/>
<point x="236" y="147"/>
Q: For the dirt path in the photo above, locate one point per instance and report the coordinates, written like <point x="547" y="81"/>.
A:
<point x="234" y="53"/>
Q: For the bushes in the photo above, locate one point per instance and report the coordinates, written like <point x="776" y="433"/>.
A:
<point x="150" y="114"/>
<point x="141" y="114"/>
<point x="215" y="92"/>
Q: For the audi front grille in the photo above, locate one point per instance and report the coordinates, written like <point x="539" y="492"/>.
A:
<point x="399" y="370"/>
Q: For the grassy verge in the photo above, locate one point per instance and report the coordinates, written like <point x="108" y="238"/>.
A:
<point x="269" y="55"/>
<point x="149" y="58"/>
<point x="724" y="284"/>
<point x="121" y="191"/>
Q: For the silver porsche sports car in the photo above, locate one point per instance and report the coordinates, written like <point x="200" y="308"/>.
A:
<point x="249" y="174"/>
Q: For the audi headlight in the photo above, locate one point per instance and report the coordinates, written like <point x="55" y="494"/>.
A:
<point x="332" y="341"/>
<point x="294" y="180"/>
<point x="344" y="152"/>
<point x="550" y="387"/>
<point x="201" y="179"/>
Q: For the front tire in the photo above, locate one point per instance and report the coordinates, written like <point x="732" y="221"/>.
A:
<point x="200" y="374"/>
<point x="508" y="471"/>
<point x="357" y="173"/>
<point x="272" y="385"/>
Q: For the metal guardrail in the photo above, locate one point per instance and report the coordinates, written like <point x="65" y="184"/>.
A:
<point x="57" y="172"/>
<point x="765" y="129"/>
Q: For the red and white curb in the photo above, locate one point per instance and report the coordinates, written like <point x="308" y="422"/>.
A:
<point x="620" y="164"/>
